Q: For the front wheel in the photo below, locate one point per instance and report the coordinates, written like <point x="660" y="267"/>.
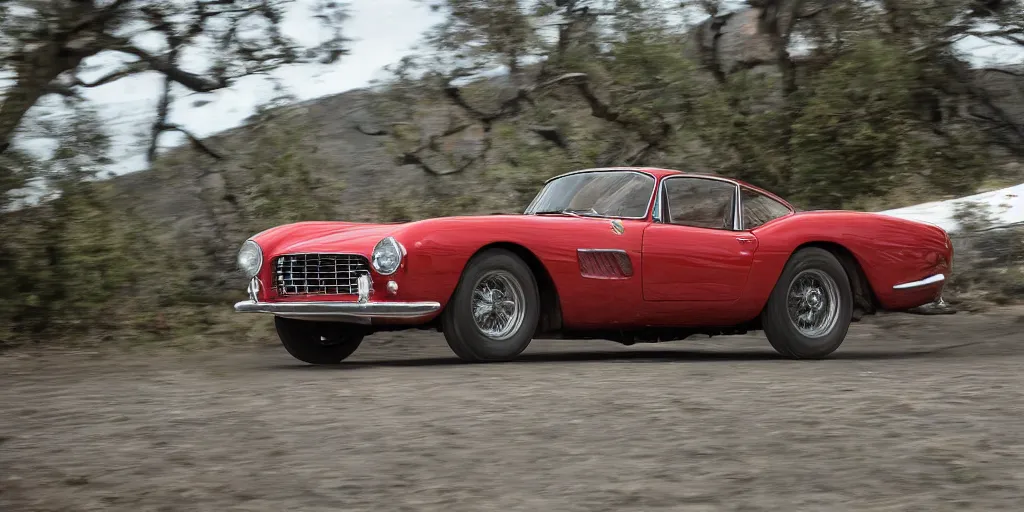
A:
<point x="809" y="311"/>
<point x="317" y="342"/>
<point x="494" y="311"/>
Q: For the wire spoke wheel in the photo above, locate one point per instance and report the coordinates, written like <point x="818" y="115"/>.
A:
<point x="813" y="302"/>
<point x="495" y="309"/>
<point x="810" y="309"/>
<point x="498" y="305"/>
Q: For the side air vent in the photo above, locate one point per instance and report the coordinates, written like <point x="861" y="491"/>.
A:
<point x="604" y="263"/>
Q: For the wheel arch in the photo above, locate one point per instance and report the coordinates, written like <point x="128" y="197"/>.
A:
<point x="865" y="302"/>
<point x="551" y="307"/>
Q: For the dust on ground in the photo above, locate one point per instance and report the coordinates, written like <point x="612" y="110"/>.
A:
<point x="912" y="413"/>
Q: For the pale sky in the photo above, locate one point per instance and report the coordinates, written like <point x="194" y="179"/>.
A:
<point x="382" y="32"/>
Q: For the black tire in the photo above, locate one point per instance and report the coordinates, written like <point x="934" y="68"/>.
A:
<point x="781" y="331"/>
<point x="464" y="337"/>
<point x="317" y="342"/>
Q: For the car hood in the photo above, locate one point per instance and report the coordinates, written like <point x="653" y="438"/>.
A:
<point x="306" y="237"/>
<point x="360" y="238"/>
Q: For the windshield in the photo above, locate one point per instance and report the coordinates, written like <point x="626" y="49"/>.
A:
<point x="601" y="194"/>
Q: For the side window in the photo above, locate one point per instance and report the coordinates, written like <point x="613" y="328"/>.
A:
<point x="759" y="208"/>
<point x="700" y="202"/>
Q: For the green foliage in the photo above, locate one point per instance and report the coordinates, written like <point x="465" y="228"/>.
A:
<point x="866" y="115"/>
<point x="745" y="135"/>
<point x="483" y="33"/>
<point x="989" y="261"/>
<point x="859" y="133"/>
<point x="284" y="188"/>
<point x="855" y="129"/>
<point x="649" y="77"/>
<point x="16" y="169"/>
<point x="525" y="163"/>
<point x="77" y="261"/>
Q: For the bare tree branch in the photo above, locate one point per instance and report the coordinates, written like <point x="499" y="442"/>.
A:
<point x="162" y="110"/>
<point x="63" y="90"/>
<point x="126" y="71"/>
<point x="164" y="65"/>
<point x="652" y="135"/>
<point x="66" y="32"/>
<point x="196" y="141"/>
<point x="100" y="17"/>
<point x="413" y="157"/>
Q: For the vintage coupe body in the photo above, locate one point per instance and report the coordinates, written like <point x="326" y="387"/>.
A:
<point x="623" y="254"/>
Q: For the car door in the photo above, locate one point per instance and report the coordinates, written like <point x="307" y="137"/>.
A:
<point x="694" y="250"/>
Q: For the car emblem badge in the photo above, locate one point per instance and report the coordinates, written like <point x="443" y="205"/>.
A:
<point x="617" y="227"/>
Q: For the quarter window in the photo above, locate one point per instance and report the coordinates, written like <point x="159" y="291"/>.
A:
<point x="759" y="208"/>
<point x="700" y="202"/>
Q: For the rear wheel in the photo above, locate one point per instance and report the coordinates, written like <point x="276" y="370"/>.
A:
<point x="317" y="342"/>
<point x="494" y="311"/>
<point x="808" y="313"/>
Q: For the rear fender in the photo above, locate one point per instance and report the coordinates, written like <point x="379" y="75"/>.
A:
<point x="882" y="251"/>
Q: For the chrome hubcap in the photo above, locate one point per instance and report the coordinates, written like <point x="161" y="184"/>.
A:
<point x="813" y="303"/>
<point x="499" y="305"/>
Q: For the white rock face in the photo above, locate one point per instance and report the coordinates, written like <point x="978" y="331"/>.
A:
<point x="1006" y="206"/>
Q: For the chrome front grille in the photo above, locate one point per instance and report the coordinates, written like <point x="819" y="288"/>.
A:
<point x="319" y="274"/>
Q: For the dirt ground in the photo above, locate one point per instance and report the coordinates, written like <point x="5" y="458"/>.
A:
<point x="911" y="414"/>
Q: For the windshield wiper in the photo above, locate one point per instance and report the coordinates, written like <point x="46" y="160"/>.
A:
<point x="568" y="211"/>
<point x="556" y="212"/>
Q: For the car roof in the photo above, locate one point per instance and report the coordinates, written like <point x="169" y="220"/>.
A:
<point x="655" y="172"/>
<point x="659" y="173"/>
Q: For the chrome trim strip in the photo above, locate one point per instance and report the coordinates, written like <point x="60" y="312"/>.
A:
<point x="737" y="209"/>
<point x="650" y="202"/>
<point x="276" y="256"/>
<point x="737" y="213"/>
<point x="638" y="170"/>
<point x="623" y="251"/>
<point x="937" y="278"/>
<point x="254" y="289"/>
<point x="364" y="288"/>
<point x="658" y="205"/>
<point x="360" y="312"/>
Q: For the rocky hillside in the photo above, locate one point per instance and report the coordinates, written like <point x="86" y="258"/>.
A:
<point x="855" y="124"/>
<point x="341" y="145"/>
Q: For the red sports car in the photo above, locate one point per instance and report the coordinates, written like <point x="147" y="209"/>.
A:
<point x="623" y="254"/>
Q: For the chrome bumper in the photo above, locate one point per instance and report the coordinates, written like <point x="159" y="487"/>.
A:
<point x="937" y="278"/>
<point x="355" y="312"/>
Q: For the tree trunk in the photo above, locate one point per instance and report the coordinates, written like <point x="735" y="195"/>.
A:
<point x="33" y="75"/>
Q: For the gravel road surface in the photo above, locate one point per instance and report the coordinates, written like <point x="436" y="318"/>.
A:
<point x="911" y="414"/>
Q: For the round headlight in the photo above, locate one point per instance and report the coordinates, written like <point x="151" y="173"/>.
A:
<point x="250" y="258"/>
<point x="387" y="256"/>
